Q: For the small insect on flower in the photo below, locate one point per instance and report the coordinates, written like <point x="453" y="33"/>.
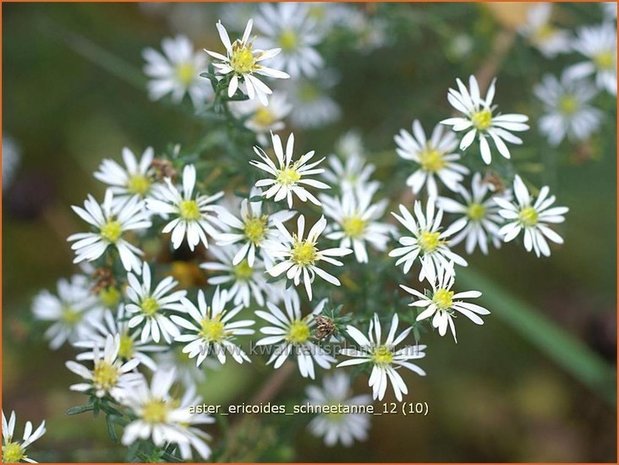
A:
<point x="14" y="451"/>
<point x="435" y="157"/>
<point x="148" y="308"/>
<point x="133" y="179"/>
<point x="109" y="374"/>
<point x="356" y="221"/>
<point x="112" y="221"/>
<point x="384" y="357"/>
<point x="252" y="229"/>
<point x="289" y="177"/>
<point x="443" y="303"/>
<point x="244" y="63"/>
<point x="599" y="45"/>
<point x="325" y="327"/>
<point x="480" y="119"/>
<point x="299" y="257"/>
<point x="428" y="242"/>
<point x="343" y="428"/>
<point x="190" y="211"/>
<point x="177" y="71"/>
<point x="211" y="329"/>
<point x="532" y="217"/>
<point x="478" y="213"/>
<point x="291" y="333"/>
<point x="539" y="31"/>
<point x="569" y="112"/>
<point x="71" y="310"/>
<point x="289" y="27"/>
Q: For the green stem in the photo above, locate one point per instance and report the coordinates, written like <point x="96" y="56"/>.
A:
<point x="560" y="346"/>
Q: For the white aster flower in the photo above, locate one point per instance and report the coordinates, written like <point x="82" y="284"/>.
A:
<point x="14" y="451"/>
<point x="190" y="211"/>
<point x="177" y="71"/>
<point x="599" y="45"/>
<point x="71" y="310"/>
<point x="478" y="216"/>
<point x="10" y="160"/>
<point x="444" y="304"/>
<point x="428" y="242"/>
<point x="539" y="31"/>
<point x="212" y="329"/>
<point x="187" y="373"/>
<point x="262" y="119"/>
<point x="147" y="307"/>
<point x="351" y="172"/>
<point x="160" y="417"/>
<point x="109" y="374"/>
<point x="133" y="179"/>
<point x="196" y="437"/>
<point x="435" y="157"/>
<point x="111" y="221"/>
<point x="244" y="63"/>
<point x="569" y="112"/>
<point x="251" y="230"/>
<point x="289" y="27"/>
<point x="291" y="333"/>
<point x="532" y="217"/>
<point x="384" y="357"/>
<point x="312" y="107"/>
<point x="299" y="257"/>
<point x="290" y="177"/>
<point x="345" y="428"/>
<point x="130" y="345"/>
<point x="356" y="221"/>
<point x="245" y="281"/>
<point x="480" y="119"/>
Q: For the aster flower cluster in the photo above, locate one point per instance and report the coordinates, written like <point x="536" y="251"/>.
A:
<point x="188" y="263"/>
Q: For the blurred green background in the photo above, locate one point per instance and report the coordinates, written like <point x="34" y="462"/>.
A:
<point x="73" y="93"/>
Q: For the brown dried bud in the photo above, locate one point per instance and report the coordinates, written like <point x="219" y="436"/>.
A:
<point x="496" y="183"/>
<point x="103" y="279"/>
<point x="163" y="168"/>
<point x="324" y="327"/>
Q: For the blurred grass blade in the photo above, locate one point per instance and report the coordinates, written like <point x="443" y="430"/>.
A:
<point x="563" y="348"/>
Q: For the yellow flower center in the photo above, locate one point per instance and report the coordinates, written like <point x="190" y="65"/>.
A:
<point x="353" y="226"/>
<point x="13" y="452"/>
<point x="155" y="411"/>
<point x="528" y="216"/>
<point x="288" y="40"/>
<point x="71" y="316"/>
<point x="431" y="160"/>
<point x="189" y="210"/>
<point x="105" y="375"/>
<point x="242" y="271"/>
<point x="476" y="211"/>
<point x="544" y="32"/>
<point x="264" y="117"/>
<point x="288" y="176"/>
<point x="125" y="348"/>
<point x="382" y="355"/>
<point x="568" y="104"/>
<point x="109" y="296"/>
<point x="429" y="241"/>
<point x="186" y="73"/>
<point x="308" y="92"/>
<point x="111" y="231"/>
<point x="242" y="60"/>
<point x="149" y="306"/>
<point x="138" y="184"/>
<point x="255" y="228"/>
<point x="605" y="60"/>
<point x="443" y="299"/>
<point x="304" y="253"/>
<point x="213" y="329"/>
<point x="482" y="119"/>
<point x="299" y="332"/>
